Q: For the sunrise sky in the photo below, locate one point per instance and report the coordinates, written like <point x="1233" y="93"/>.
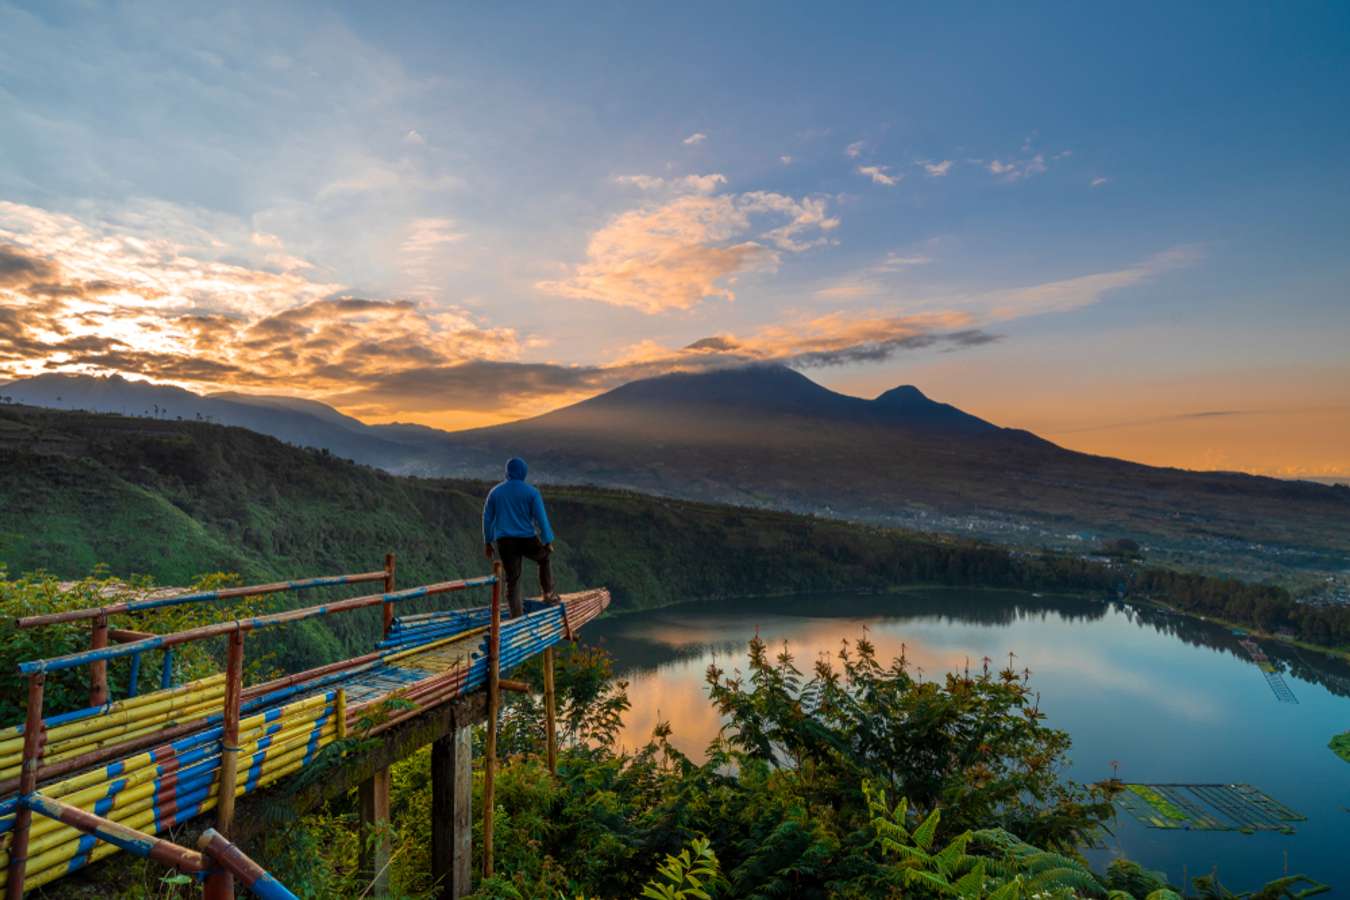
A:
<point x="1123" y="227"/>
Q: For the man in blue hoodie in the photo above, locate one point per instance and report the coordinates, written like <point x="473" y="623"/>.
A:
<point x="514" y="518"/>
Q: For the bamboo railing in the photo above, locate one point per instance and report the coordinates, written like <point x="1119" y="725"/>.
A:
<point x="114" y="775"/>
<point x="101" y="631"/>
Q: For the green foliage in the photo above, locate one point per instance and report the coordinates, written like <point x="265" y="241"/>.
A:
<point x="66" y="689"/>
<point x="684" y="876"/>
<point x="990" y="863"/>
<point x="1208" y="887"/>
<point x="1340" y="745"/>
<point x="1164" y="806"/>
<point x="976" y="745"/>
<point x="590" y="702"/>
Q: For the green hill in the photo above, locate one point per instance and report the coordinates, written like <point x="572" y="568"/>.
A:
<point x="176" y="499"/>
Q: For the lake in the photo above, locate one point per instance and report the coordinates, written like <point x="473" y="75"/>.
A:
<point x="1172" y="699"/>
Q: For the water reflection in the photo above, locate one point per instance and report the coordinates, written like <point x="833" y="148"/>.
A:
<point x="1172" y="698"/>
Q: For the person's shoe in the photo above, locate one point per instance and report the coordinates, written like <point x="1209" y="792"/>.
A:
<point x="552" y="599"/>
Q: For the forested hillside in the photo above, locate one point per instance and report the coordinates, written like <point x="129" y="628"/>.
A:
<point x="174" y="500"/>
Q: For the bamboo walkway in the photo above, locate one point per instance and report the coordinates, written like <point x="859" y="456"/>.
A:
<point x="115" y="775"/>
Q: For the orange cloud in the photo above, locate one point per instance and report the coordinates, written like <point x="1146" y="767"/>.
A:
<point x="75" y="299"/>
<point x="675" y="255"/>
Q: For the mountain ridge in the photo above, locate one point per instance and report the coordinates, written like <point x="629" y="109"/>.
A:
<point x="769" y="437"/>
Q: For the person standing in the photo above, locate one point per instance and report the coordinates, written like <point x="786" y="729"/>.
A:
<point x="514" y="519"/>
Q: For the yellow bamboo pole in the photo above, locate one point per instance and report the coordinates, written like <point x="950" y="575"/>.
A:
<point x="54" y="866"/>
<point x="13" y="736"/>
<point x="144" y="783"/>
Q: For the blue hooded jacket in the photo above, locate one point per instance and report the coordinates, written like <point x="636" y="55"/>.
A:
<point x="514" y="508"/>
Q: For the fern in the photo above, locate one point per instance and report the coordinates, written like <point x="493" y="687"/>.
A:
<point x="685" y="875"/>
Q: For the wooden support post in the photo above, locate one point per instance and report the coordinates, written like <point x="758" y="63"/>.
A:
<point x="220" y="883"/>
<point x="98" y="671"/>
<point x="340" y="713"/>
<point x="493" y="700"/>
<point x="33" y="736"/>
<point x="375" y="792"/>
<point x="389" y="563"/>
<point x="550" y="713"/>
<point x="452" y="813"/>
<point x="375" y="844"/>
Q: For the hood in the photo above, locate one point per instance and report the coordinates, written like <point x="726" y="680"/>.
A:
<point x="516" y="469"/>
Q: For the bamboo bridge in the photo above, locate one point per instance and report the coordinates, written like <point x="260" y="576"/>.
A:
<point x="78" y="786"/>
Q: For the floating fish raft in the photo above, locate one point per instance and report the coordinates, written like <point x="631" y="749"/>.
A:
<point x="1278" y="686"/>
<point x="1206" y="807"/>
<point x="152" y="762"/>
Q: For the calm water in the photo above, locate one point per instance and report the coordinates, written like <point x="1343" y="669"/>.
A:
<point x="1172" y="699"/>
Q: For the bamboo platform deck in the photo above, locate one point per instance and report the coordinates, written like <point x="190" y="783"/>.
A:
<point x="154" y="761"/>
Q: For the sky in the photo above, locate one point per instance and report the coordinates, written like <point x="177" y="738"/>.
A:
<point x="1125" y="228"/>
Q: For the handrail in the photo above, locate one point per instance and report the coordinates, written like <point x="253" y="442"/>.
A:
<point x="229" y="857"/>
<point x="71" y="660"/>
<point x="76" y="615"/>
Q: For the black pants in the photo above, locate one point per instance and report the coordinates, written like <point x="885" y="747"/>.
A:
<point x="514" y="551"/>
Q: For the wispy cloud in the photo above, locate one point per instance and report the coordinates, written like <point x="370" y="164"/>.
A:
<point x="1018" y="169"/>
<point x="880" y="175"/>
<point x="1074" y="293"/>
<point x="1098" y="181"/>
<point x="697" y="137"/>
<point x="423" y="251"/>
<point x="874" y="279"/>
<point x="937" y="169"/>
<point x="855" y="149"/>
<point x="785" y="159"/>
<point x="699" y="184"/>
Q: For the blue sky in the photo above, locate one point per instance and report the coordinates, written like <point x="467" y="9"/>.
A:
<point x="1090" y="221"/>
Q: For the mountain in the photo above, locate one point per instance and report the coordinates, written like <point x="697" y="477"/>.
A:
<point x="304" y="423"/>
<point x="769" y="437"/>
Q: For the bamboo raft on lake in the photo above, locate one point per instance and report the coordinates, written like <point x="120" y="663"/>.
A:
<point x="1206" y="807"/>
<point x="1278" y="686"/>
<point x="118" y="773"/>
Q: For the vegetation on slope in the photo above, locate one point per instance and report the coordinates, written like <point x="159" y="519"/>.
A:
<point x="794" y="800"/>
<point x="172" y="499"/>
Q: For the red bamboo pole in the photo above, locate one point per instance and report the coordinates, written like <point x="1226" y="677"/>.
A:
<point x="138" y="842"/>
<point x="75" y="615"/>
<point x="98" y="672"/>
<point x="220" y="883"/>
<point x="226" y="855"/>
<point x="33" y="735"/>
<point x="389" y="562"/>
